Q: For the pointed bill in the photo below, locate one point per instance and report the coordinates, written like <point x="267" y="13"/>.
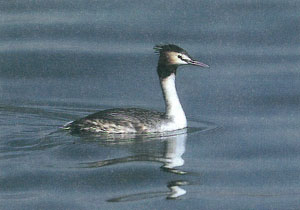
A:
<point x="197" y="63"/>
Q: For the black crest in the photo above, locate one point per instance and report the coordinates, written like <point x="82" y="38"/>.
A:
<point x="168" y="48"/>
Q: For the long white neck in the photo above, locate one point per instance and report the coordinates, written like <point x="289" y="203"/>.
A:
<point x="174" y="109"/>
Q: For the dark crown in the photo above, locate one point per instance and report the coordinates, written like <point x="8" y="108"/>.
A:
<point x="169" y="48"/>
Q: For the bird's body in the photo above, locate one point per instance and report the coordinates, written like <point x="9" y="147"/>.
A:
<point x="135" y="120"/>
<point x="126" y="120"/>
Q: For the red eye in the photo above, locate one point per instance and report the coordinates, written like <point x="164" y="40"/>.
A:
<point x="179" y="56"/>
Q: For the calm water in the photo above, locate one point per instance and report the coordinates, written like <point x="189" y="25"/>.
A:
<point x="61" y="60"/>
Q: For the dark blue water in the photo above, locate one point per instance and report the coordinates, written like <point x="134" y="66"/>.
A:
<point x="61" y="60"/>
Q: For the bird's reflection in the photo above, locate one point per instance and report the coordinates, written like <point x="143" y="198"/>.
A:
<point x="175" y="191"/>
<point x="167" y="150"/>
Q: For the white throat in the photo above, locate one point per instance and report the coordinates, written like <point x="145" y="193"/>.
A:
<point x="174" y="109"/>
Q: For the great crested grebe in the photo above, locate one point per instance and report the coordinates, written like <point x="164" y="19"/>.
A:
<point x="136" y="120"/>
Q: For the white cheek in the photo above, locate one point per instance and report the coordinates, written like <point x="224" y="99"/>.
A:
<point x="179" y="61"/>
<point x="173" y="58"/>
<point x="185" y="57"/>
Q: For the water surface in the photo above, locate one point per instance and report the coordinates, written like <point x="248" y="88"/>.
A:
<point x="61" y="60"/>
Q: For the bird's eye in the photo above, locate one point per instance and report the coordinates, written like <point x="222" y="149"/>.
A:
<point x="179" y="56"/>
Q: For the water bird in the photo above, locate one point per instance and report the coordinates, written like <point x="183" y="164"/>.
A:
<point x="137" y="120"/>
